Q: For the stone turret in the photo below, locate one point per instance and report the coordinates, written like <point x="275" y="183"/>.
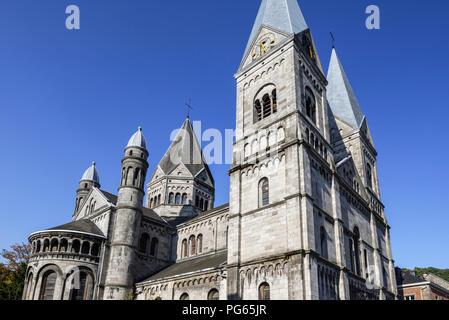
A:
<point x="89" y="179"/>
<point x="120" y="274"/>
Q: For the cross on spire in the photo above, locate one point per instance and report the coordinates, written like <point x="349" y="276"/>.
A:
<point x="189" y="107"/>
<point x="333" y="40"/>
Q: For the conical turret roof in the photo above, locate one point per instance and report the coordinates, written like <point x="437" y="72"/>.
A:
<point x="91" y="174"/>
<point x="138" y="140"/>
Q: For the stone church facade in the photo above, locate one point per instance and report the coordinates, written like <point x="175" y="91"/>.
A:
<point x="305" y="220"/>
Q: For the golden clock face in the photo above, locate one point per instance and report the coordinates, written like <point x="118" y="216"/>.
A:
<point x="263" y="46"/>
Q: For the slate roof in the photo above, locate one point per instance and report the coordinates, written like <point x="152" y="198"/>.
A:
<point x="282" y="15"/>
<point x="147" y="212"/>
<point x="174" y="221"/>
<point x="340" y="96"/>
<point x="185" y="149"/>
<point x="138" y="140"/>
<point x="193" y="265"/>
<point x="111" y="197"/>
<point x="205" y="213"/>
<point x="83" y="225"/>
<point x="91" y="174"/>
<point x="408" y="278"/>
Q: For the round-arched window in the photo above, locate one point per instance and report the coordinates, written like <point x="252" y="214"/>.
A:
<point x="213" y="295"/>
<point x="184" y="296"/>
<point x="264" y="291"/>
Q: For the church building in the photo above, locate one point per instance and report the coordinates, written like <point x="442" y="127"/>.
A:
<point x="305" y="219"/>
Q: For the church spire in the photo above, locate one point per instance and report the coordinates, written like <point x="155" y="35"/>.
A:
<point x="184" y="149"/>
<point x="282" y="15"/>
<point x="340" y="95"/>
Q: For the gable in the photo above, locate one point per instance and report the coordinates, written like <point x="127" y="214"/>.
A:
<point x="267" y="38"/>
<point x="348" y="171"/>
<point x="157" y="174"/>
<point x="181" y="171"/>
<point x="205" y="176"/>
<point x="95" y="201"/>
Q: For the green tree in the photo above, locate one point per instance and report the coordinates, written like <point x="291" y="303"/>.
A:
<point x="442" y="273"/>
<point x="12" y="274"/>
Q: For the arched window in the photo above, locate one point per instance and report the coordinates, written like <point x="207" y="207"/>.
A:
<point x="158" y="199"/>
<point x="83" y="289"/>
<point x="310" y="105"/>
<point x="143" y="243"/>
<point x="280" y="134"/>
<point x="154" y="245"/>
<point x="54" y="245"/>
<point x="351" y="254"/>
<point x="95" y="249"/>
<point x="29" y="286"/>
<point x="265" y="103"/>
<point x="206" y="205"/>
<point x="201" y="203"/>
<point x="128" y="175"/>
<point x="323" y="242"/>
<point x="266" y="106"/>
<point x="46" y="245"/>
<point x="247" y="150"/>
<point x="123" y="176"/>
<point x="192" y="245"/>
<point x="76" y="246"/>
<point x="142" y="178"/>
<point x="184" y="198"/>
<point x="48" y="285"/>
<point x="369" y="176"/>
<point x="307" y="135"/>
<point x="356" y="240"/>
<point x="184" y="296"/>
<point x="197" y="201"/>
<point x="257" y="111"/>
<point x="274" y="101"/>
<point x="151" y="203"/>
<point x="199" y="241"/>
<point x="264" y="291"/>
<point x="171" y="198"/>
<point x="184" y="251"/>
<point x="136" y="176"/>
<point x="38" y="246"/>
<point x="85" y="248"/>
<point x="64" y="245"/>
<point x="385" y="277"/>
<point x="213" y="295"/>
<point x="264" y="192"/>
<point x="178" y="198"/>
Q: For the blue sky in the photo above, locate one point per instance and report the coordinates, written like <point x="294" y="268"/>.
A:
<point x="70" y="97"/>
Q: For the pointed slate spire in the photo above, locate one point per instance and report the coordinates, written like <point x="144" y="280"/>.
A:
<point x="282" y="15"/>
<point x="340" y="95"/>
<point x="184" y="149"/>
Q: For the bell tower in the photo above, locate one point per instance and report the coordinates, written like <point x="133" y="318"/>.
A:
<point x="120" y="273"/>
<point x="281" y="125"/>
